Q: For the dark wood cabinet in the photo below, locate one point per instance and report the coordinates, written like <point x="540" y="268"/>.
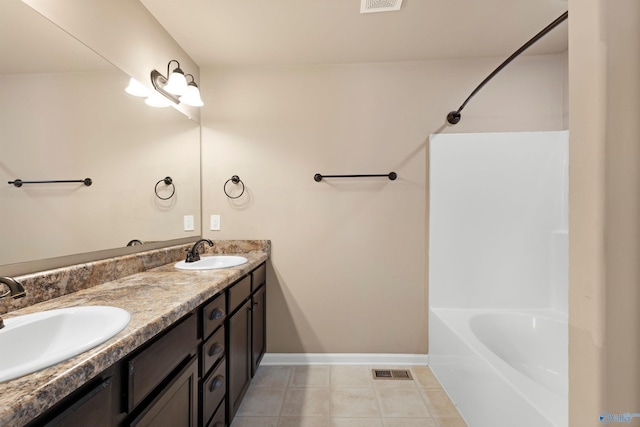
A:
<point x="195" y="373"/>
<point x="239" y="356"/>
<point x="177" y="405"/>
<point x="258" y="327"/>
<point x="94" y="408"/>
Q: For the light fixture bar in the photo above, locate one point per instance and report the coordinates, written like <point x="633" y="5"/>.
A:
<point x="159" y="82"/>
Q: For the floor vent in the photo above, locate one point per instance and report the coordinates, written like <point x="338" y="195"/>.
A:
<point x="368" y="6"/>
<point x="391" y="374"/>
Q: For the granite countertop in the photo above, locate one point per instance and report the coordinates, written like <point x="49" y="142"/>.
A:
<point x="156" y="298"/>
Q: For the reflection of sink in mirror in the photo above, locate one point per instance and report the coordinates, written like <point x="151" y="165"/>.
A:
<point x="35" y="341"/>
<point x="212" y="262"/>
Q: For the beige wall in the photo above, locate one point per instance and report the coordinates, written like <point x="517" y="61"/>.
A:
<point x="604" y="76"/>
<point x="348" y="269"/>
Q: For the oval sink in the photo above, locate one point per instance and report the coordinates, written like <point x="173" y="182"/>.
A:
<point x="35" y="341"/>
<point x="212" y="262"/>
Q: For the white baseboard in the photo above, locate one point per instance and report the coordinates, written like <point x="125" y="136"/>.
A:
<point x="370" y="359"/>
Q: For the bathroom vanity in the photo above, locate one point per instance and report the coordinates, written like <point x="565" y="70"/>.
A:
<point x="186" y="358"/>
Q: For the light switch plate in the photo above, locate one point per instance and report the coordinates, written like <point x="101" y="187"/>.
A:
<point x="215" y="222"/>
<point x="188" y="223"/>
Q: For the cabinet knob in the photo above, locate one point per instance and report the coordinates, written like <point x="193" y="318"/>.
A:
<point x="216" y="314"/>
<point x="216" y="383"/>
<point x="215" y="348"/>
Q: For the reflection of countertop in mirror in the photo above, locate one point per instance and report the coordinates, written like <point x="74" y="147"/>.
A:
<point x="156" y="299"/>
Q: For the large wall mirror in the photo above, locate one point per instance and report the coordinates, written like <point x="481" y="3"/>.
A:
<point x="64" y="115"/>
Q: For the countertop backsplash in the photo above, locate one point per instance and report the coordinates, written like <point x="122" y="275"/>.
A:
<point x="46" y="285"/>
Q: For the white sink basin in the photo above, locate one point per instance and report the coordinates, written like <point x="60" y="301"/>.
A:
<point x="212" y="262"/>
<point x="35" y="341"/>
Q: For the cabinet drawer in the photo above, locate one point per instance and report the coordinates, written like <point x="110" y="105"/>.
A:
<point x="212" y="351"/>
<point x="213" y="314"/>
<point x="259" y="277"/>
<point x="155" y="363"/>
<point x="214" y="389"/>
<point x="219" y="419"/>
<point x="239" y="292"/>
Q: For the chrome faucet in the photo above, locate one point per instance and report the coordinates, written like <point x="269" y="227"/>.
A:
<point x="192" y="254"/>
<point x="16" y="290"/>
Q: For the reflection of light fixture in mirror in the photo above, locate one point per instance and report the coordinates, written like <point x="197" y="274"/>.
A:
<point x="192" y="94"/>
<point x="175" y="87"/>
<point x="157" y="100"/>
<point x="136" y="88"/>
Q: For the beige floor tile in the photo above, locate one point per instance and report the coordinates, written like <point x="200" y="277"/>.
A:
<point x="262" y="402"/>
<point x="255" y="422"/>
<point x="409" y="422"/>
<point x="272" y="376"/>
<point x="382" y="384"/>
<point x="351" y="377"/>
<point x="449" y="422"/>
<point x="306" y="402"/>
<point x="304" y="422"/>
<point x="356" y="422"/>
<point x="438" y="403"/>
<point x="401" y="403"/>
<point x="310" y="376"/>
<point x="352" y="403"/>
<point x="424" y="378"/>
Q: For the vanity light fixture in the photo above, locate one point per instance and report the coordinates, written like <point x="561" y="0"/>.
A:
<point x="136" y="88"/>
<point x="175" y="86"/>
<point x="157" y="100"/>
<point x="192" y="94"/>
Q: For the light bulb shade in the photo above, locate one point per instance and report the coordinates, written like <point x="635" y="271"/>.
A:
<point x="192" y="96"/>
<point x="177" y="83"/>
<point x="155" y="99"/>
<point x="136" y="88"/>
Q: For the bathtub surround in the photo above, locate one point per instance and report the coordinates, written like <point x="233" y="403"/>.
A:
<point x="498" y="275"/>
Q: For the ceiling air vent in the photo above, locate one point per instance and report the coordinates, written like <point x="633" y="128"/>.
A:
<point x="368" y="6"/>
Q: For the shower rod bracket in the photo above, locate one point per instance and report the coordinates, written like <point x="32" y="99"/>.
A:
<point x="454" y="116"/>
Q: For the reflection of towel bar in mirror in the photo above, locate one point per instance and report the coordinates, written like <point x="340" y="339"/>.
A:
<point x="19" y="182"/>
<point x="319" y="177"/>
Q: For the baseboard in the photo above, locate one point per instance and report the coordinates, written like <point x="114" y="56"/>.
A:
<point x="369" y="359"/>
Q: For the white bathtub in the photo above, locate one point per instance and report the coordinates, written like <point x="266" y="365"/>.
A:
<point x="500" y="367"/>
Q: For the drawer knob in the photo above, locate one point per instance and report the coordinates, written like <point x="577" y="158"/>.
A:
<point x="215" y="348"/>
<point x="216" y="314"/>
<point x="216" y="383"/>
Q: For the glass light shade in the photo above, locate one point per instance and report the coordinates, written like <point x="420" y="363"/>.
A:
<point x="157" y="100"/>
<point x="192" y="96"/>
<point x="136" y="88"/>
<point x="177" y="83"/>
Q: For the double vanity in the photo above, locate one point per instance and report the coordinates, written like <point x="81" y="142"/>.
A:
<point x="193" y="342"/>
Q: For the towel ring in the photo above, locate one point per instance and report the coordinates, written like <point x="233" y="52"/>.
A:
<point x="236" y="180"/>
<point x="167" y="181"/>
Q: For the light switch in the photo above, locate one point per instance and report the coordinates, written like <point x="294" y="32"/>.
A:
<point x="215" y="222"/>
<point x="188" y="223"/>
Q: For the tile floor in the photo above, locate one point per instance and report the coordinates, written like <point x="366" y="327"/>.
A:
<point x="344" y="396"/>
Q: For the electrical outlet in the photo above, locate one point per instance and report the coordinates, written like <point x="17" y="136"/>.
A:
<point x="215" y="222"/>
<point x="188" y="223"/>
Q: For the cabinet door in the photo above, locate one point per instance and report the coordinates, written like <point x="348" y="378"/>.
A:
<point x="258" y="328"/>
<point x="93" y="409"/>
<point x="239" y="357"/>
<point x="177" y="406"/>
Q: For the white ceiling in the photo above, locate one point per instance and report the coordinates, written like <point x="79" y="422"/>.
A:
<point x="273" y="32"/>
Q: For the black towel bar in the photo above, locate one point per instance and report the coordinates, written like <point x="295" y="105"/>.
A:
<point x="319" y="177"/>
<point x="19" y="182"/>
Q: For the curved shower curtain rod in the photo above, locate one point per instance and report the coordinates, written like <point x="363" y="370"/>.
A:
<point x="454" y="116"/>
